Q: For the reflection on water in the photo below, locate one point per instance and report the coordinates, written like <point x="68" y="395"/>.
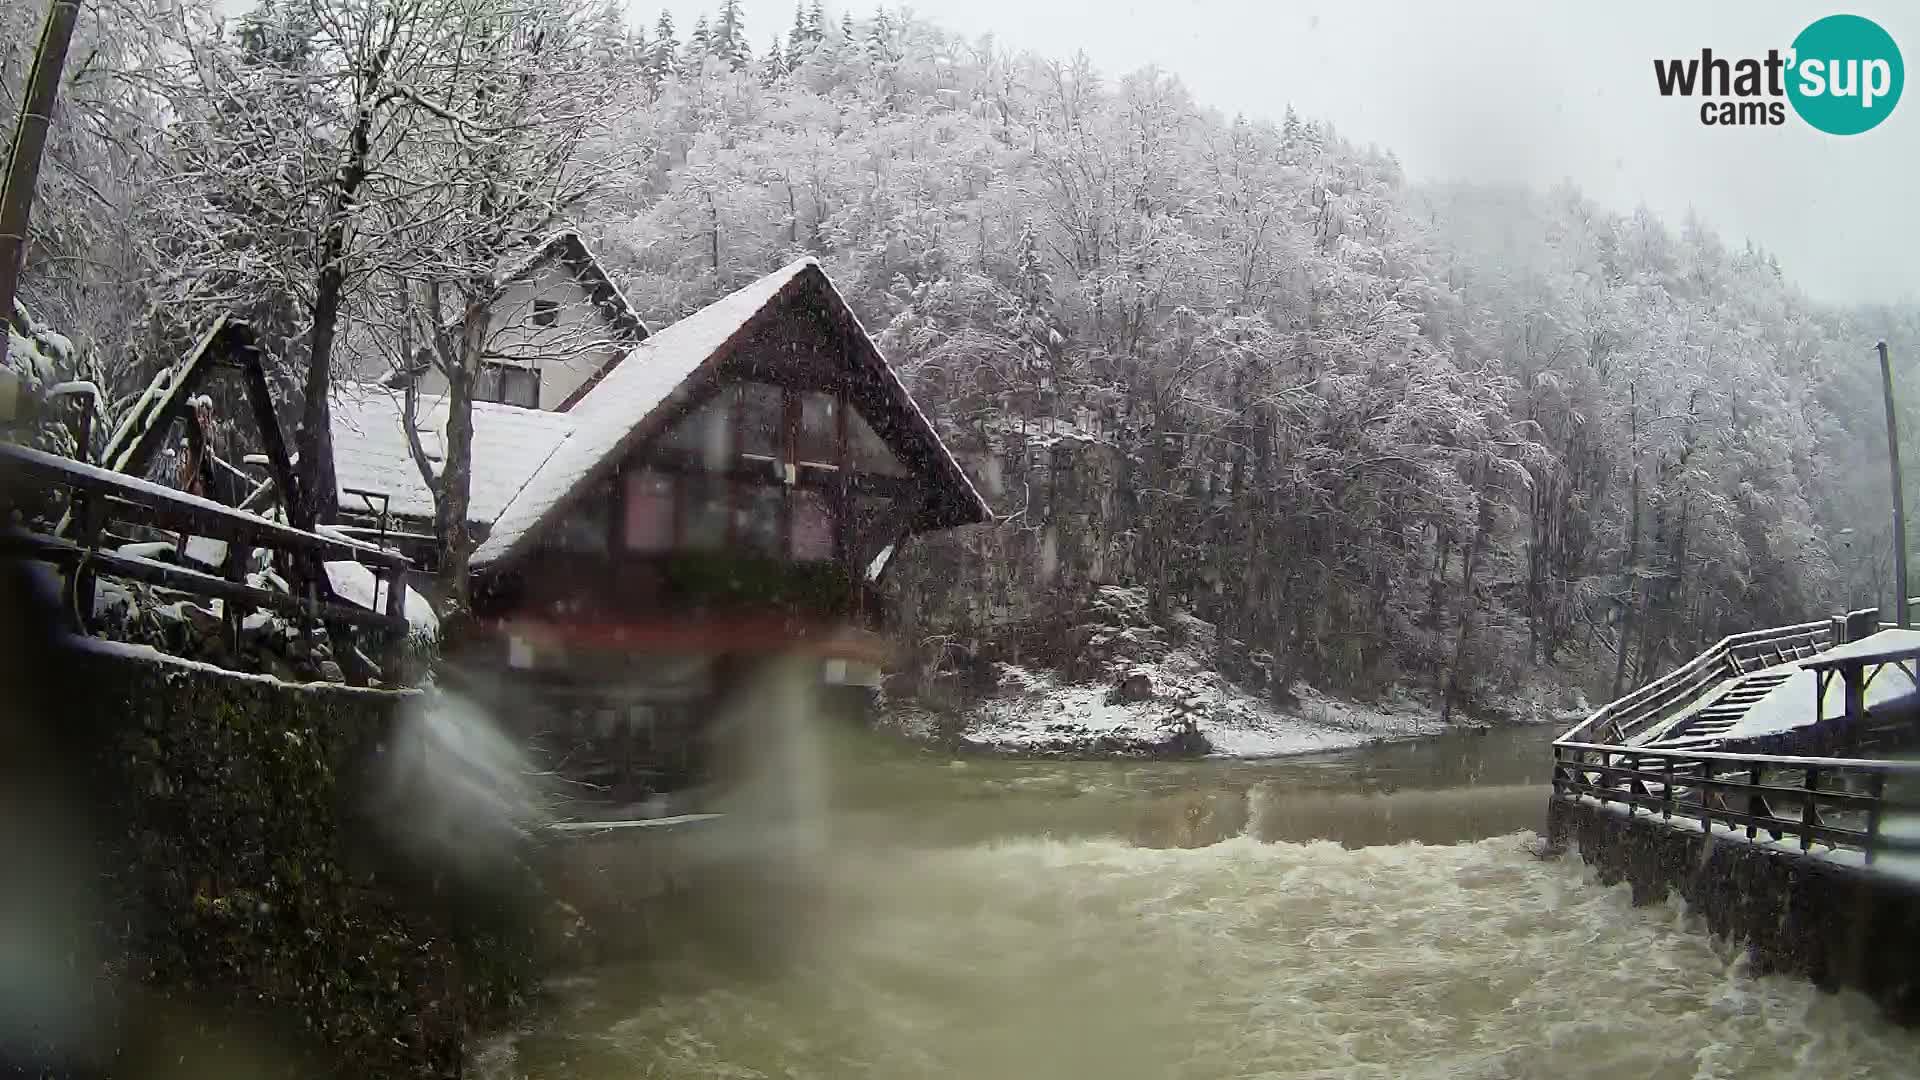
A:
<point x="1377" y="914"/>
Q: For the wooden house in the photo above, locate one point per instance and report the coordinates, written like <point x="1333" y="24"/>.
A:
<point x="734" y="486"/>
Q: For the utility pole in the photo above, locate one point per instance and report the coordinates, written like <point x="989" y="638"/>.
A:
<point x="29" y="138"/>
<point x="1899" y="499"/>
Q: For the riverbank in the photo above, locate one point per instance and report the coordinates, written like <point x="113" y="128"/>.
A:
<point x="1178" y="708"/>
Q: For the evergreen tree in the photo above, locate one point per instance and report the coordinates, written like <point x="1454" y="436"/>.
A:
<point x="606" y="34"/>
<point x="799" y="43"/>
<point x="846" y="28"/>
<point x="666" y="49"/>
<point x="699" y="47"/>
<point x="816" y="24"/>
<point x="774" y="67"/>
<point x="880" y="37"/>
<point x="730" y="35"/>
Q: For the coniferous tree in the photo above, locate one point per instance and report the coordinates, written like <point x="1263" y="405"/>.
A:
<point x="799" y="43"/>
<point x="773" y="67"/>
<point x="729" y="39"/>
<point x="699" y="46"/>
<point x="880" y="37"/>
<point x="665" y="59"/>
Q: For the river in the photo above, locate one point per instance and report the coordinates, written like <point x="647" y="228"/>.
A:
<point x="1376" y="913"/>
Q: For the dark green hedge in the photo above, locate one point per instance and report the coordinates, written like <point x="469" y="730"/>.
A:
<point x="254" y="895"/>
<point x="728" y="580"/>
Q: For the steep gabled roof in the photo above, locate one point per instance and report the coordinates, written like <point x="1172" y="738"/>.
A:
<point x="569" y="250"/>
<point x="566" y="249"/>
<point x="635" y="398"/>
<point x="371" y="453"/>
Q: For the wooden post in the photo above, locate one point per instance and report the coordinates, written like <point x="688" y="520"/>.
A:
<point x="396" y="606"/>
<point x="1706" y="811"/>
<point x="1756" y="805"/>
<point x="23" y="158"/>
<point x="1878" y="790"/>
<point x="1899" y="498"/>
<point x="239" y="554"/>
<point x="1854" y="675"/>
<point x="1809" y="813"/>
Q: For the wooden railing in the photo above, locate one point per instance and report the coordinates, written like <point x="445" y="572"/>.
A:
<point x="1842" y="803"/>
<point x="1618" y="722"/>
<point x="101" y="495"/>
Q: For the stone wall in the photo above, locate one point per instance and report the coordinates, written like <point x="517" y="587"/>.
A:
<point x="1838" y="925"/>
<point x="248" y="901"/>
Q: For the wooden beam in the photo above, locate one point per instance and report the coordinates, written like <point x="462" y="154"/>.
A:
<point x="148" y="432"/>
<point x="71" y="556"/>
<point x="260" y="397"/>
<point x="183" y="512"/>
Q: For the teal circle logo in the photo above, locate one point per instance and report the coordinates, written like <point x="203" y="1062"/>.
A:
<point x="1846" y="75"/>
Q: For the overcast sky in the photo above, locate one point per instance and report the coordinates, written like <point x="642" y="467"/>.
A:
<point x="1528" y="92"/>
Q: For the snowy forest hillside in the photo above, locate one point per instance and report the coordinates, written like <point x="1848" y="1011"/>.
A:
<point x="1374" y="433"/>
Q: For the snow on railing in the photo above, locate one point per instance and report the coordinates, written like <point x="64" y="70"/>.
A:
<point x="1843" y="804"/>
<point x="1620" y="720"/>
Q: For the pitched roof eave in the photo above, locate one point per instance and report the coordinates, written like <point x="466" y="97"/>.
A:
<point x="650" y="381"/>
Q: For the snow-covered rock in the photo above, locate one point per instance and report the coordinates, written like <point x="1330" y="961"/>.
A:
<point x="1192" y="710"/>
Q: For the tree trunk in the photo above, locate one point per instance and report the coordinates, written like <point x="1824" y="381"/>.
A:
<point x="318" y="496"/>
<point x="1483" y="524"/>
<point x="1633" y="586"/>
<point x="456" y="478"/>
<point x="23" y="162"/>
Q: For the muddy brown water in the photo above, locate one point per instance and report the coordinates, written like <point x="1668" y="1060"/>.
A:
<point x="1374" y="913"/>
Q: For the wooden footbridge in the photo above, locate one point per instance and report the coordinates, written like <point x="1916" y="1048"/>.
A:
<point x="1776" y="735"/>
<point x="1764" y="783"/>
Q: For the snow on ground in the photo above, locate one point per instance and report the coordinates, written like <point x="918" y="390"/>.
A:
<point x="1035" y="712"/>
<point x="147" y="654"/>
<point x="357" y="585"/>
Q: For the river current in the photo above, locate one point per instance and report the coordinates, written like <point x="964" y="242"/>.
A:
<point x="1380" y="913"/>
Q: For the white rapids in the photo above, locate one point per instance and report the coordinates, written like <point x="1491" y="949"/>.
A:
<point x="1095" y="958"/>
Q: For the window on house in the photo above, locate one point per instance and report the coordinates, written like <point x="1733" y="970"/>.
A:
<point x="545" y="312"/>
<point x="868" y="451"/>
<point x="703" y="435"/>
<point x="763" y="415"/>
<point x="649" y="511"/>
<point x="703" y="505"/>
<point x="811" y="528"/>
<point x="756" y="518"/>
<point x="508" y="384"/>
<point x="819" y="430"/>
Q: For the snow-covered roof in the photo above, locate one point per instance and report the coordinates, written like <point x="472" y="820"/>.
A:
<point x="527" y="463"/>
<point x="570" y="249"/>
<point x="656" y="376"/>
<point x="629" y="392"/>
<point x="370" y="450"/>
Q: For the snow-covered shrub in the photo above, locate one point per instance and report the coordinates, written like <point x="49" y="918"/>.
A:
<point x="41" y="369"/>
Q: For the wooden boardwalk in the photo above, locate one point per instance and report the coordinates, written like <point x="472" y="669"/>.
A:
<point x="1680" y="748"/>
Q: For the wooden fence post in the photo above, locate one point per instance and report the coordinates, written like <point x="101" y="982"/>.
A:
<point x="1809" y="812"/>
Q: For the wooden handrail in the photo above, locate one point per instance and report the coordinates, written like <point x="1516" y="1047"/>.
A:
<point x="185" y="512"/>
<point x="103" y="494"/>
<point x="1692" y="676"/>
<point x="1624" y="775"/>
<point x="1783" y="760"/>
<point x="69" y="555"/>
